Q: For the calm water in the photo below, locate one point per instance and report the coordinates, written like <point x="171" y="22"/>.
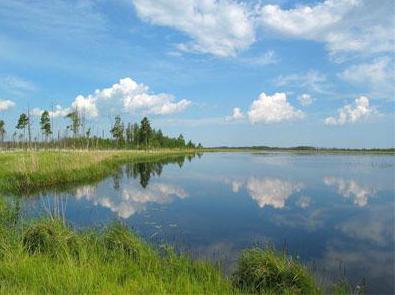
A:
<point x="335" y="212"/>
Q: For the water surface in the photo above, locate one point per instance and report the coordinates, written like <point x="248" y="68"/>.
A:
<point x="334" y="212"/>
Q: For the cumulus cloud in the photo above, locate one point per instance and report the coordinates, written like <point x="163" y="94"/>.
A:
<point x="225" y="27"/>
<point x="132" y="199"/>
<point x="6" y="104"/>
<point x="305" y="99"/>
<point x="338" y="24"/>
<point x="271" y="191"/>
<point x="57" y="112"/>
<point x="272" y="109"/>
<point x="237" y="114"/>
<point x="352" y="113"/>
<point x="378" y="76"/>
<point x="351" y="189"/>
<point x="128" y="96"/>
<point x="221" y="28"/>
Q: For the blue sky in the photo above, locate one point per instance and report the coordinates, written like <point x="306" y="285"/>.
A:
<point x="280" y="73"/>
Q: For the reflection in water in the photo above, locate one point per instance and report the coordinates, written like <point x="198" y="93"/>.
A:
<point x="131" y="198"/>
<point x="375" y="226"/>
<point x="268" y="191"/>
<point x="144" y="171"/>
<point x="303" y="202"/>
<point x="271" y="191"/>
<point x="315" y="222"/>
<point x="351" y="189"/>
<point x="127" y="198"/>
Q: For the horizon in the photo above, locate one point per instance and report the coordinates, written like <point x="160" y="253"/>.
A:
<point x="224" y="73"/>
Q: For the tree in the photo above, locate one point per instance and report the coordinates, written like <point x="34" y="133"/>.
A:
<point x="136" y="135"/>
<point x="2" y="131"/>
<point x="129" y="134"/>
<point x="45" y="124"/>
<point x="117" y="131"/>
<point x="23" y="121"/>
<point x="145" y="131"/>
<point x="190" y="145"/>
<point x="75" y="122"/>
<point x="180" y="141"/>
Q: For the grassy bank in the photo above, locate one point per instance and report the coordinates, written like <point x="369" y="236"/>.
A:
<point x="47" y="256"/>
<point x="32" y="171"/>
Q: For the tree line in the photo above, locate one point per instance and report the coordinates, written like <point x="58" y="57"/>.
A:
<point x="123" y="135"/>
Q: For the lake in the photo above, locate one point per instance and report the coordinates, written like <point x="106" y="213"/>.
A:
<point x="333" y="212"/>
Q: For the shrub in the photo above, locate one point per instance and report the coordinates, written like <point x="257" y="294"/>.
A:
<point x="117" y="238"/>
<point x="264" y="271"/>
<point x="51" y="237"/>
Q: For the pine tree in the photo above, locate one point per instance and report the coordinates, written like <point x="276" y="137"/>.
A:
<point x="75" y="122"/>
<point x="117" y="131"/>
<point x="45" y="124"/>
<point x="145" y="131"/>
<point x="2" y="131"/>
<point x="23" y="121"/>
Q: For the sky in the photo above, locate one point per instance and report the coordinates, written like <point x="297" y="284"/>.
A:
<point x="225" y="72"/>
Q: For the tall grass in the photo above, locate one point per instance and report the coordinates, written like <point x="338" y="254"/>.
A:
<point x="33" y="171"/>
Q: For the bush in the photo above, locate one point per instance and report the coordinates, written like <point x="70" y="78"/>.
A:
<point x="51" y="237"/>
<point x="117" y="238"/>
<point x="264" y="271"/>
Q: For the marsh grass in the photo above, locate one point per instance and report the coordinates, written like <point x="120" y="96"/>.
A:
<point x="48" y="256"/>
<point x="25" y="173"/>
<point x="270" y="272"/>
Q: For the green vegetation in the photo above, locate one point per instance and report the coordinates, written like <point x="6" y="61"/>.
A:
<point x="134" y="136"/>
<point x="48" y="256"/>
<point x="273" y="273"/>
<point x="32" y="171"/>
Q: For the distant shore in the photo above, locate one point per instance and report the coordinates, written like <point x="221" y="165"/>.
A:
<point x="301" y="150"/>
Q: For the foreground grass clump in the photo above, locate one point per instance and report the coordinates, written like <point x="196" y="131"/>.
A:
<point x="269" y="272"/>
<point x="32" y="171"/>
<point x="49" y="257"/>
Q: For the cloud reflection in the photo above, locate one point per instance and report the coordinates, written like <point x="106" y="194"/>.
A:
<point x="271" y="191"/>
<point x="267" y="191"/>
<point x="131" y="199"/>
<point x="351" y="189"/>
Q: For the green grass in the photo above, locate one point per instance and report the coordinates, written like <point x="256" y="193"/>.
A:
<point x="24" y="173"/>
<point x="48" y="256"/>
<point x="269" y="272"/>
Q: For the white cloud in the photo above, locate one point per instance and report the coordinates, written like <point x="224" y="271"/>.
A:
<point x="6" y="104"/>
<point x="221" y="28"/>
<point x="267" y="58"/>
<point x="57" y="112"/>
<point x="378" y="75"/>
<point x="16" y="85"/>
<point x="305" y="99"/>
<point x="351" y="189"/>
<point x="271" y="191"/>
<point x="343" y="25"/>
<point x="352" y="113"/>
<point x="273" y="109"/>
<point x="311" y="80"/>
<point x="237" y="114"/>
<point x="125" y="96"/>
